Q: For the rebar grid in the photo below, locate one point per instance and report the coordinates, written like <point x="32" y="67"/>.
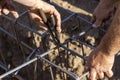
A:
<point x="38" y="55"/>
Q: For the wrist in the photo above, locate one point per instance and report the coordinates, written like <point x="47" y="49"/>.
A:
<point x="37" y="5"/>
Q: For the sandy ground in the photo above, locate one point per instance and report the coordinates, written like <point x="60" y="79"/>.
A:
<point x="63" y="58"/>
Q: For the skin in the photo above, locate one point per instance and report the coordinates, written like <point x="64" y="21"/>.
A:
<point x="6" y="7"/>
<point x="34" y="6"/>
<point x="105" y="7"/>
<point x="101" y="60"/>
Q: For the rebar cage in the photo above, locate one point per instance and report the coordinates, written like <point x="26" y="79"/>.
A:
<point x="34" y="53"/>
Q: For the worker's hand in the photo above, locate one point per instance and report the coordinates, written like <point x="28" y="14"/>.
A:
<point x="6" y="7"/>
<point x="48" y="10"/>
<point x="99" y="63"/>
<point x="102" y="13"/>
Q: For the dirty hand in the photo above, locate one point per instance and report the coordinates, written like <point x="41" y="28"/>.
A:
<point x="6" y="7"/>
<point x="100" y="14"/>
<point x="48" y="10"/>
<point x="99" y="63"/>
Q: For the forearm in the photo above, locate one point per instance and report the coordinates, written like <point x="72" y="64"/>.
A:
<point x="108" y="2"/>
<point x="30" y="3"/>
<point x="110" y="43"/>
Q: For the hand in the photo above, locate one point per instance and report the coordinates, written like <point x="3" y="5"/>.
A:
<point x="6" y="7"/>
<point x="49" y="10"/>
<point x="99" y="63"/>
<point x="101" y="13"/>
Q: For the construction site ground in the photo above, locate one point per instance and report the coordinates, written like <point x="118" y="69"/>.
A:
<point x="14" y="55"/>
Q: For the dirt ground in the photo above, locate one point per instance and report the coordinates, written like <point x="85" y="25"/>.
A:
<point x="13" y="55"/>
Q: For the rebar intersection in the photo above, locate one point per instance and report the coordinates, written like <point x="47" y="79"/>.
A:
<point x="38" y="54"/>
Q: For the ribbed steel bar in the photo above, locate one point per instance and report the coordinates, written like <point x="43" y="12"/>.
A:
<point x="73" y="38"/>
<point x="90" y="46"/>
<point x="63" y="21"/>
<point x="68" y="72"/>
<point x="70" y="12"/>
<point x="25" y="64"/>
<point x="83" y="75"/>
<point x="67" y="18"/>
<point x="28" y="46"/>
<point x="82" y="33"/>
<point x="22" y="25"/>
<point x="4" y="67"/>
<point x="19" y="67"/>
<point x="72" y="52"/>
<point x="12" y="36"/>
<point x="78" y="16"/>
<point x="27" y="59"/>
<point x="62" y="44"/>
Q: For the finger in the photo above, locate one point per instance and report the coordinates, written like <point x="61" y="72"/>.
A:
<point x="93" y="74"/>
<point x="5" y="11"/>
<point x="38" y="20"/>
<point x="109" y="73"/>
<point x="15" y="14"/>
<point x="0" y="10"/>
<point x="5" y="7"/>
<point x="58" y="20"/>
<point x="97" y="24"/>
<point x="12" y="10"/>
<point x="100" y="74"/>
<point x="42" y="25"/>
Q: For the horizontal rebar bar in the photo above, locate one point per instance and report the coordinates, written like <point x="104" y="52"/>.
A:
<point x="80" y="34"/>
<point x="14" y="70"/>
<point x="22" y="25"/>
<point x="27" y="59"/>
<point x="34" y="59"/>
<point x="26" y="63"/>
<point x="72" y="52"/>
<point x="62" y="44"/>
<point x="67" y="18"/>
<point x="90" y="46"/>
<point x="71" y="38"/>
<point x="63" y="21"/>
<point x="70" y="12"/>
<point x="12" y="36"/>
<point x="78" y="16"/>
<point x="68" y="72"/>
<point x="4" y="67"/>
<point x="83" y="75"/>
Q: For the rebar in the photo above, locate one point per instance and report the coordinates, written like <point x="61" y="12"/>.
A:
<point x="38" y="54"/>
<point x="25" y="64"/>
